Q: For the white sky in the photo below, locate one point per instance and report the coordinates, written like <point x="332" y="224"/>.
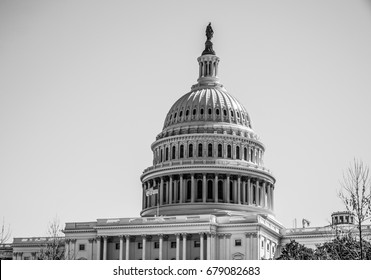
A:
<point x="85" y="87"/>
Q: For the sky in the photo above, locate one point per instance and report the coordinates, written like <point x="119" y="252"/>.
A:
<point x="85" y="87"/>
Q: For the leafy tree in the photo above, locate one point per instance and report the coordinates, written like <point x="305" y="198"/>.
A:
<point x="296" y="251"/>
<point x="343" y="248"/>
<point x="356" y="195"/>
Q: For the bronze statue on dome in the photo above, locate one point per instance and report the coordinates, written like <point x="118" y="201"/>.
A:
<point x="208" y="43"/>
<point x="209" y="32"/>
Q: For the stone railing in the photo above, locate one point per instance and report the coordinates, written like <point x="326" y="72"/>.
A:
<point x="152" y="220"/>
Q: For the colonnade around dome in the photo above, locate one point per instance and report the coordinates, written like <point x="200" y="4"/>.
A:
<point x="207" y="188"/>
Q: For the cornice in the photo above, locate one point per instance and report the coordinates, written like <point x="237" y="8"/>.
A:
<point x="208" y="137"/>
<point x="153" y="226"/>
<point x="149" y="174"/>
<point x="79" y="230"/>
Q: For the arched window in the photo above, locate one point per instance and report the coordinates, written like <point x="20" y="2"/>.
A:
<point x="166" y="153"/>
<point x="189" y="189"/>
<point x="217" y="112"/>
<point x="220" y="190"/>
<point x="220" y="150"/>
<point x="174" y="116"/>
<point x="199" y="189"/>
<point x="251" y="155"/>
<point x="187" y="113"/>
<point x="232" y="114"/>
<point x="225" y="112"/>
<point x="202" y="111"/>
<point x="161" y="152"/>
<point x="245" y="153"/>
<point x="210" y="111"/>
<point x="173" y="153"/>
<point x="190" y="150"/>
<point x="200" y="150"/>
<point x="181" y="151"/>
<point x="210" y="150"/>
<point x="237" y="152"/>
<point x="254" y="194"/>
<point x="231" y="191"/>
<point x="210" y="189"/>
<point x="194" y="112"/>
<point x="229" y="151"/>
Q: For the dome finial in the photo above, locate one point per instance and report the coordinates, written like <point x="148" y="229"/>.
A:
<point x="208" y="43"/>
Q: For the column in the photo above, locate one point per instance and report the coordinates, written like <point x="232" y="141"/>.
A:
<point x="243" y="192"/>
<point x="204" y="188"/>
<point x="234" y="191"/>
<point x="184" y="246"/>
<point x="216" y="200"/>
<point x="249" y="192"/>
<point x="104" y="247"/>
<point x="201" y="246"/>
<point x="91" y="241"/>
<point x="239" y="190"/>
<point x="121" y="252"/>
<point x="177" y="245"/>
<point x="98" y="247"/>
<point x="264" y="192"/>
<point x="154" y="197"/>
<point x="161" y="238"/>
<point x="127" y="239"/>
<point x="181" y="198"/>
<point x="147" y="197"/>
<point x="144" y="239"/>
<point x="143" y="197"/>
<point x="212" y="245"/>
<point x="208" y="249"/>
<point x="223" y="248"/>
<point x="272" y="197"/>
<point x="167" y="192"/>
<point x="227" y="247"/>
<point x="257" y="192"/>
<point x="73" y="248"/>
<point x="176" y="182"/>
<point x="171" y="190"/>
<point x="162" y="191"/>
<point x="192" y="188"/>
<point x="67" y="250"/>
<point x="227" y="189"/>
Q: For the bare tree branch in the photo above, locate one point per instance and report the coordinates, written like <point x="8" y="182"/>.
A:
<point x="5" y="232"/>
<point x="356" y="194"/>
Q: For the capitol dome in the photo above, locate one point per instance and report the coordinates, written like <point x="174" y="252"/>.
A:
<point x="207" y="159"/>
<point x="207" y="104"/>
